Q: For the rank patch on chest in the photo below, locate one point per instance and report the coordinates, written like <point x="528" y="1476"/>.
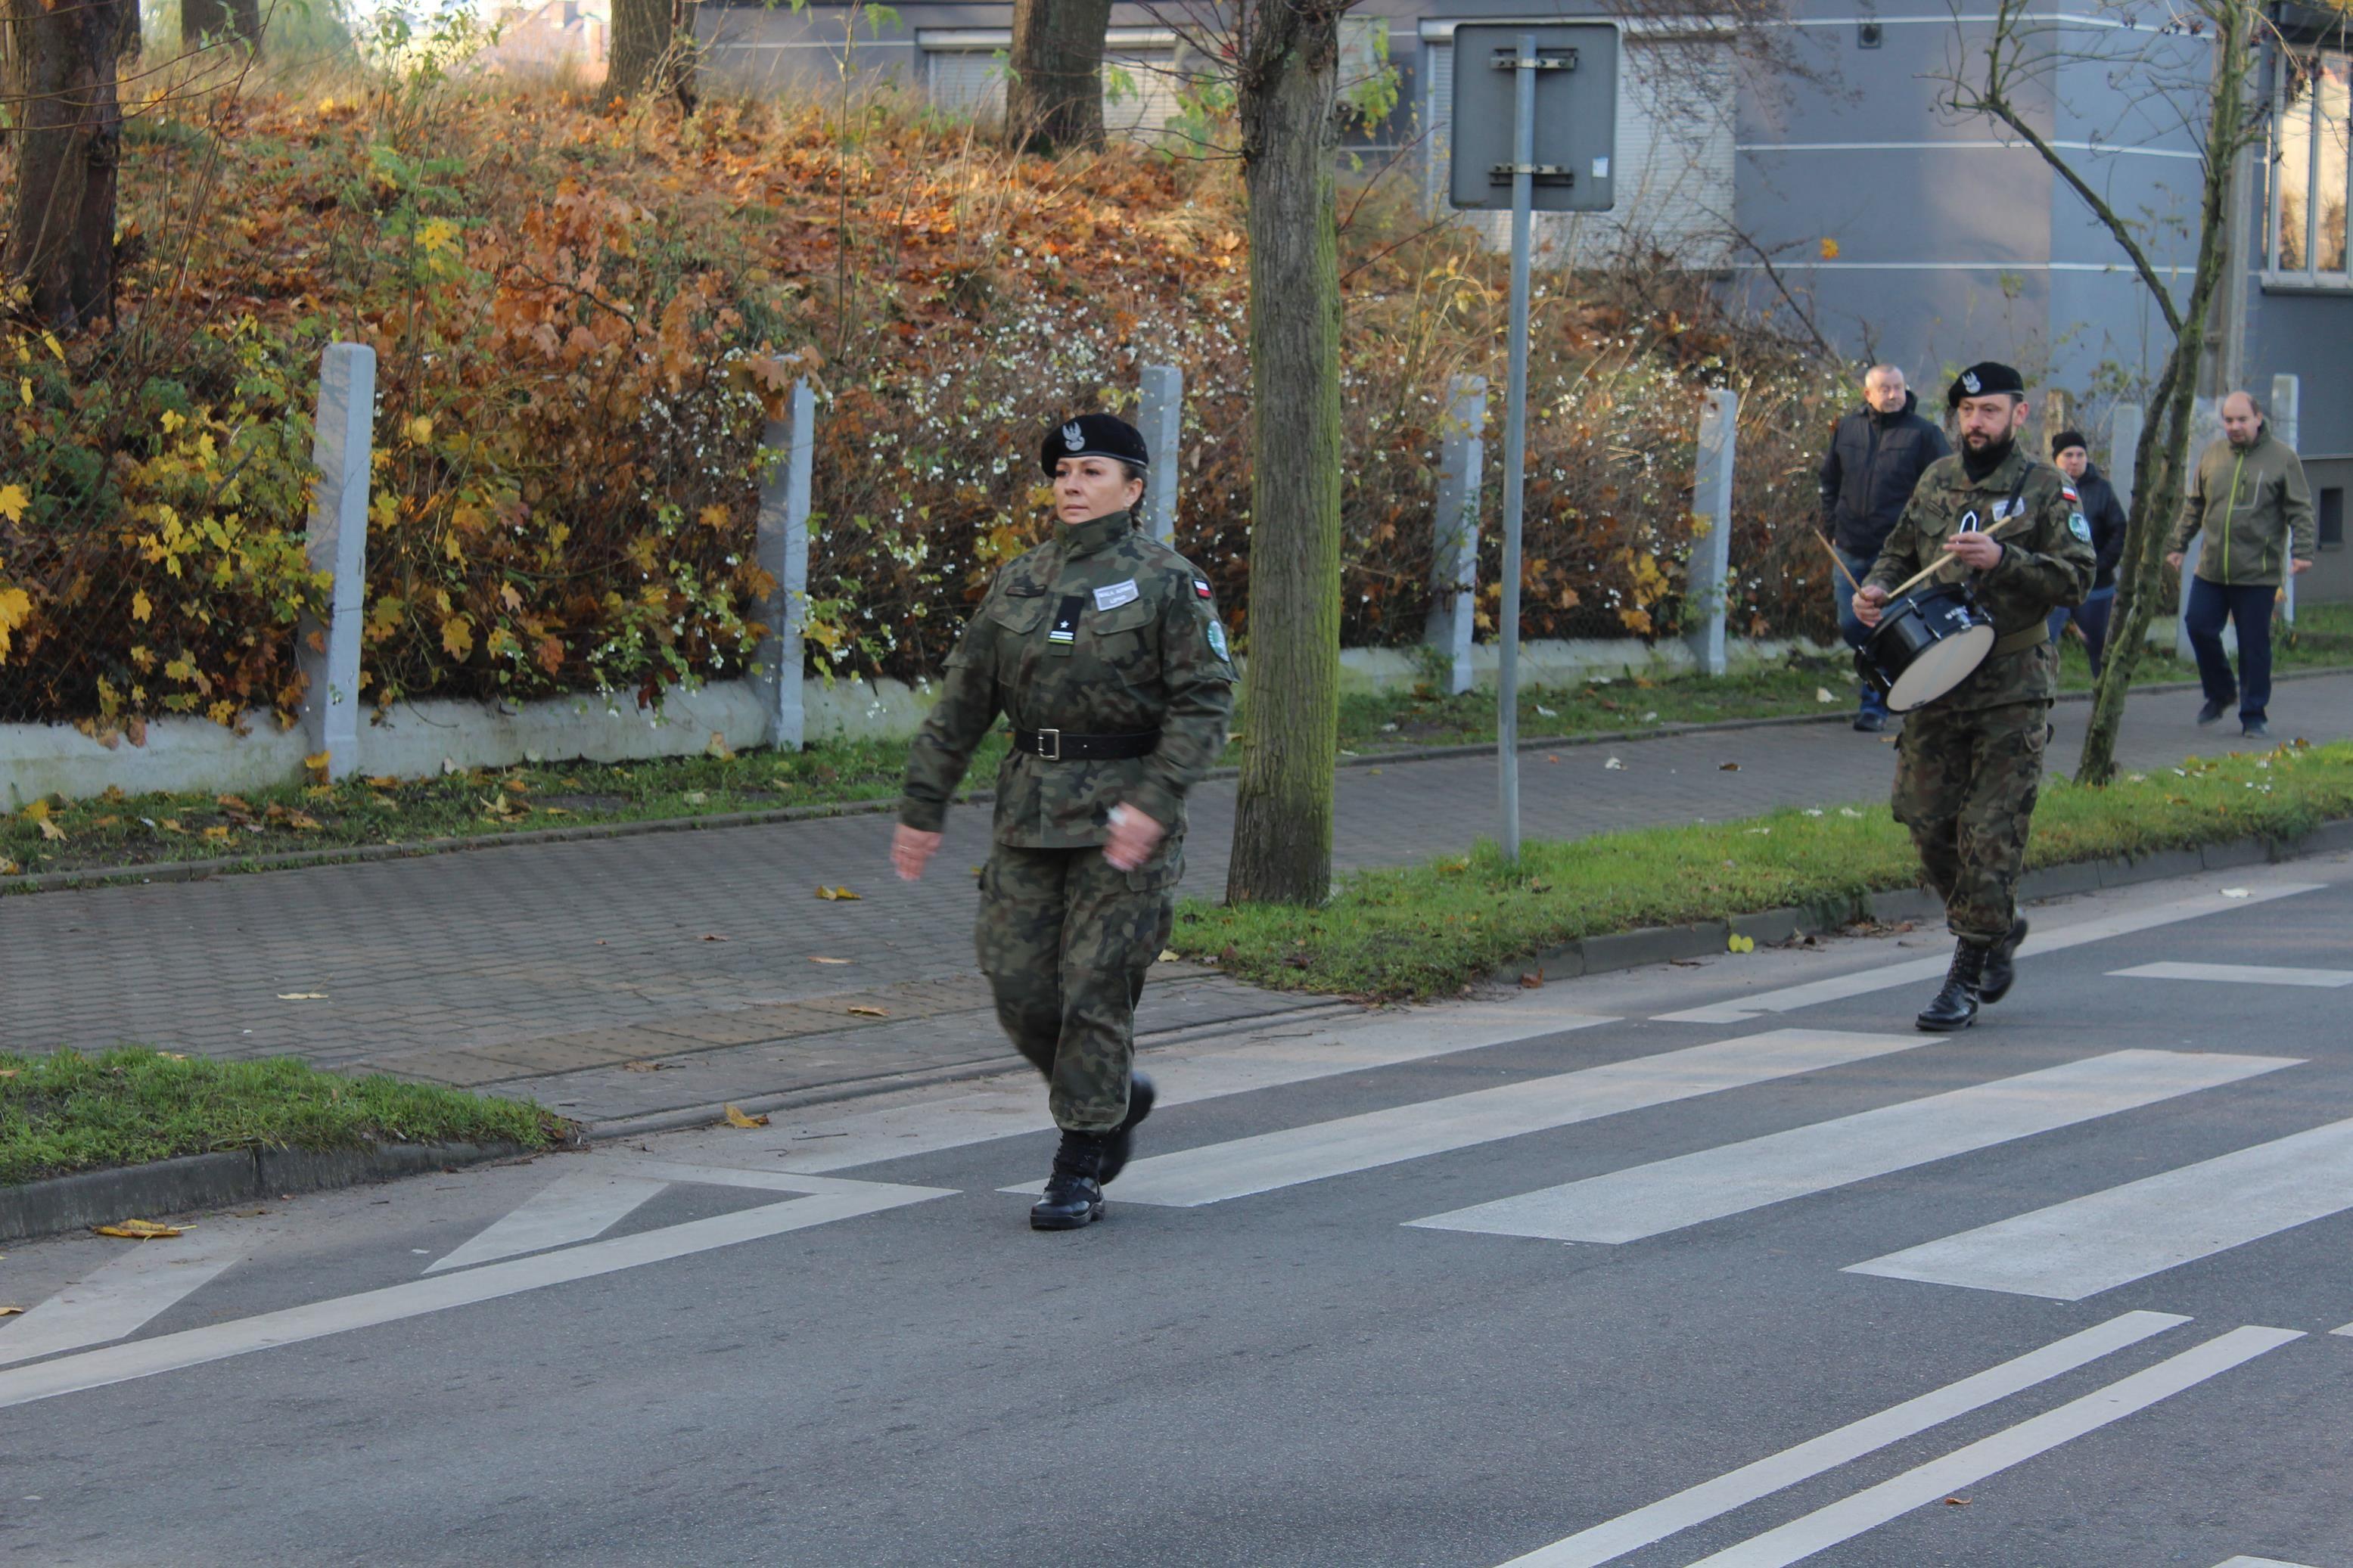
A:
<point x="1117" y="595"/>
<point x="1065" y="630"/>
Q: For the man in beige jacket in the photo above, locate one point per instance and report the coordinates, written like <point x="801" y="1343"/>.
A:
<point x="2250" y="499"/>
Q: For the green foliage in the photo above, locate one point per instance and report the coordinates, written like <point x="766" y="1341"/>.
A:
<point x="67" y="1111"/>
<point x="1431" y="930"/>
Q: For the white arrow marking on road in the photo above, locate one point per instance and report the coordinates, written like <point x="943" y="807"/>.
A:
<point x="1217" y="1171"/>
<point x="1850" y="1516"/>
<point x="2055" y="939"/>
<point x="1737" y="1489"/>
<point x="580" y="1207"/>
<point x="831" y="1200"/>
<point x="1692" y="1189"/>
<point x="2240" y="974"/>
<point x="2098" y="1242"/>
<point x="122" y="1293"/>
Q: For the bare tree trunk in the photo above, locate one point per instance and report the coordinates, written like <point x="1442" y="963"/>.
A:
<point x="2163" y="457"/>
<point x="1289" y="124"/>
<point x="1053" y="98"/>
<point x="641" y="37"/>
<point x="68" y="147"/>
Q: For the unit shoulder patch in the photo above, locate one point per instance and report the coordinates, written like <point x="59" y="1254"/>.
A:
<point x="2080" y="526"/>
<point x="1217" y="634"/>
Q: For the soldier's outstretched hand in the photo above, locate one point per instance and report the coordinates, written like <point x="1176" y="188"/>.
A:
<point x="911" y="850"/>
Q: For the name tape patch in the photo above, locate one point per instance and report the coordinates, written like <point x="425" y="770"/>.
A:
<point x="1117" y="595"/>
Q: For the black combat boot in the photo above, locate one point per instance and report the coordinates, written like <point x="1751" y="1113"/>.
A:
<point x="1956" y="1006"/>
<point x="1140" y="1096"/>
<point x="1075" y="1190"/>
<point x="1999" y="971"/>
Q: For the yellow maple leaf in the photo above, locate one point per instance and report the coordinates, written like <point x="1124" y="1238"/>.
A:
<point x="458" y="636"/>
<point x="737" y="1119"/>
<point x="142" y="606"/>
<point x="419" y="430"/>
<point x="13" y="502"/>
<point x="1830" y="248"/>
<point x="16" y="609"/>
<point x="52" y="832"/>
<point x="173" y="420"/>
<point x="835" y="894"/>
<point x="137" y="1230"/>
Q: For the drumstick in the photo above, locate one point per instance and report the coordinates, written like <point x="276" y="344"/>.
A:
<point x="1936" y="566"/>
<point x="1840" y="562"/>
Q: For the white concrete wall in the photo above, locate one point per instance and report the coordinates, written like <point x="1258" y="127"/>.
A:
<point x="416" y="738"/>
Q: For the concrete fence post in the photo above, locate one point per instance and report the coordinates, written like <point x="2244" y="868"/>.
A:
<point x="783" y="547"/>
<point x="329" y="653"/>
<point x="1159" y="414"/>
<point x="1708" y="575"/>
<point x="2287" y="395"/>
<point x="1454" y="539"/>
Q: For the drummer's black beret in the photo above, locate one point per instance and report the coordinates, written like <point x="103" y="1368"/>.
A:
<point x="1093" y="435"/>
<point x="2066" y="438"/>
<point x="1985" y="376"/>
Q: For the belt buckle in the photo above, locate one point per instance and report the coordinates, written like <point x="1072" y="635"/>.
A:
<point x="1055" y="736"/>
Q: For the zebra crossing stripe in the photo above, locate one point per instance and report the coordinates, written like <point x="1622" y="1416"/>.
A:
<point x="137" y="1282"/>
<point x="1692" y="1189"/>
<point x="1217" y="1171"/>
<point x="1850" y="1516"/>
<point x="2104" y="1240"/>
<point x="2051" y="939"/>
<point x="1736" y="1489"/>
<point x="580" y="1207"/>
<point x="2240" y="974"/>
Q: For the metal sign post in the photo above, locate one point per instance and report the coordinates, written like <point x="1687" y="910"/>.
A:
<point x="1562" y="82"/>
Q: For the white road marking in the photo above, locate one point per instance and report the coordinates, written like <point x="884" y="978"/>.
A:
<point x="2054" y="938"/>
<point x="1736" y="1489"/>
<point x="140" y="1281"/>
<point x="1012" y="1105"/>
<point x="2098" y="1242"/>
<point x="1867" y="1510"/>
<point x="2240" y="974"/>
<point x="579" y="1207"/>
<point x="831" y="1200"/>
<point x="2347" y="1331"/>
<point x="1692" y="1189"/>
<point x="1217" y="1171"/>
<point x="2257" y="1563"/>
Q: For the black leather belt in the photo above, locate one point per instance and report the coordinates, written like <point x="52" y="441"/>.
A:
<point x="1061" y="746"/>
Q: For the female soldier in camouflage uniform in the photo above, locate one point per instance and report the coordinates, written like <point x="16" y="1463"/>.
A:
<point x="1103" y="649"/>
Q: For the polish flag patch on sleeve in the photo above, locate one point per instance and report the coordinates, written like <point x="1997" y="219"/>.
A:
<point x="1201" y="589"/>
<point x="2069" y="492"/>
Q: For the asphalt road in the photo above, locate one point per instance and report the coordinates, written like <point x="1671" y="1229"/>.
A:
<point x="1717" y="1265"/>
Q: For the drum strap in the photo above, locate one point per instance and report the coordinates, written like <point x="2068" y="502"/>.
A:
<point x="2020" y="640"/>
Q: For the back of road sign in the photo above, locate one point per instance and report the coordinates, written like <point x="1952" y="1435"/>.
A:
<point x="1576" y="115"/>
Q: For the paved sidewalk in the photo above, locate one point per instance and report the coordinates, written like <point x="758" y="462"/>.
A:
<point x="543" y="969"/>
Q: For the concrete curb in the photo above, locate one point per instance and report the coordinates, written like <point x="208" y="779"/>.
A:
<point x="215" y="1181"/>
<point x="1704" y="939"/>
<point x="362" y="854"/>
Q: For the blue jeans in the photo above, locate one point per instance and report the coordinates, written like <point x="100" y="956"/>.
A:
<point x="2248" y="606"/>
<point x="1855" y="633"/>
<point x="2091" y="617"/>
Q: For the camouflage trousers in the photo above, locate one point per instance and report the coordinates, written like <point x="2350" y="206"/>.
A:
<point x="1065" y="939"/>
<point x="1965" y="785"/>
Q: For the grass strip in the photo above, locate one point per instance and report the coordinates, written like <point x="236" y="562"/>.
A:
<point x="115" y="830"/>
<point x="1431" y="930"/>
<point x="67" y="1111"/>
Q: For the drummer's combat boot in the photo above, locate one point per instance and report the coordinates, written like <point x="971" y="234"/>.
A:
<point x="1999" y="969"/>
<point x="1956" y="1006"/>
<point x="1116" y="1148"/>
<point x="1073" y="1195"/>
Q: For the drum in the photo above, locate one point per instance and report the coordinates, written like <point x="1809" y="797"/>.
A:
<point x="1925" y="645"/>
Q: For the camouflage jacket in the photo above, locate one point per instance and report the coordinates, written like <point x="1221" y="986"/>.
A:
<point x="2046" y="563"/>
<point x="1100" y="631"/>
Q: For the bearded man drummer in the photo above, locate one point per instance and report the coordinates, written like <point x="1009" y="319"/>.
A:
<point x="1969" y="763"/>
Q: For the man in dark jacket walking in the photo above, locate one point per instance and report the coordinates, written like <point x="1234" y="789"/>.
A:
<point x="1877" y="455"/>
<point x="2096" y="499"/>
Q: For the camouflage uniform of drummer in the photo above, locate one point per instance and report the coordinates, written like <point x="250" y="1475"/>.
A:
<point x="1103" y="649"/>
<point x="1969" y="763"/>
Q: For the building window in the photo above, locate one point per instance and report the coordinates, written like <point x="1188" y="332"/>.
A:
<point x="2332" y="517"/>
<point x="2310" y="114"/>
